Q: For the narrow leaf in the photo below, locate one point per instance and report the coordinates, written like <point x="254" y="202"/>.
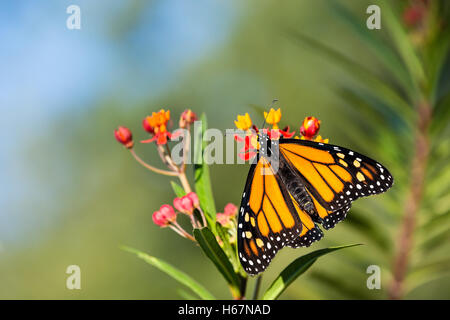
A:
<point x="186" y="295"/>
<point x="207" y="241"/>
<point x="371" y="82"/>
<point x="175" y="273"/>
<point x="177" y="189"/>
<point x="375" y="43"/>
<point x="202" y="179"/>
<point x="295" y="269"/>
<point x="404" y="46"/>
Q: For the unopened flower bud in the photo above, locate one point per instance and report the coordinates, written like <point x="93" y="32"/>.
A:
<point x="159" y="219"/>
<point x="187" y="117"/>
<point x="187" y="205"/>
<point x="230" y="210"/>
<point x="223" y="219"/>
<point x="147" y="126"/>
<point x="124" y="136"/>
<point x="177" y="204"/>
<point x="310" y="127"/>
<point x="194" y="198"/>
<point x="184" y="205"/>
<point x="164" y="216"/>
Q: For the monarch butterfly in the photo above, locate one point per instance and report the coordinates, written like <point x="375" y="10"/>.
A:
<point x="292" y="188"/>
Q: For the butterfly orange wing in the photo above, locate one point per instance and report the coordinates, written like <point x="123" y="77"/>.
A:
<point x="268" y="219"/>
<point x="334" y="176"/>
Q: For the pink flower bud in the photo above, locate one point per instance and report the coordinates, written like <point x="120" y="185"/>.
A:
<point x="177" y="204"/>
<point x="187" y="205"/>
<point x="184" y="205"/>
<point x="194" y="198"/>
<point x="230" y="210"/>
<point x="164" y="215"/>
<point x="168" y="212"/>
<point x="223" y="219"/>
<point x="160" y="219"/>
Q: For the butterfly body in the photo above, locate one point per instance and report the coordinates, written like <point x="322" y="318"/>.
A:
<point x="292" y="187"/>
<point x="296" y="188"/>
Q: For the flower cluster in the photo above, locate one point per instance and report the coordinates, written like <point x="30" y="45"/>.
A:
<point x="308" y="131"/>
<point x="213" y="230"/>
<point x="187" y="205"/>
<point x="166" y="216"/>
<point x="157" y="125"/>
<point x="228" y="217"/>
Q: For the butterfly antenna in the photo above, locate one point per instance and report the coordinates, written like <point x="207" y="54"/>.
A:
<point x="265" y="118"/>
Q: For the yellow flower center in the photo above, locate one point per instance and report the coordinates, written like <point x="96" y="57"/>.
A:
<point x="159" y="119"/>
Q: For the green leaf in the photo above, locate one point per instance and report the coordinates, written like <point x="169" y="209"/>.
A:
<point x="375" y="43"/>
<point x="207" y="241"/>
<point x="361" y="221"/>
<point x="177" y="189"/>
<point x="186" y="295"/>
<point x="175" y="273"/>
<point x="372" y="83"/>
<point x="202" y="179"/>
<point x="404" y="46"/>
<point x="350" y="290"/>
<point x="295" y="269"/>
<point x="427" y="273"/>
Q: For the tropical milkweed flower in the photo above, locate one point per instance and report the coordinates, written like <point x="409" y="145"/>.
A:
<point x="156" y="124"/>
<point x="250" y="147"/>
<point x="273" y="117"/>
<point x="243" y="122"/>
<point x="308" y="130"/>
<point x="250" y="139"/>
<point x="251" y="144"/>
<point x="286" y="132"/>
<point x="164" y="216"/>
<point x="147" y="127"/>
<point x="124" y="136"/>
<point x="187" y="117"/>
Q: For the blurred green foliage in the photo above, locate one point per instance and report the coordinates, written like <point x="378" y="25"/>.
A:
<point x="317" y="59"/>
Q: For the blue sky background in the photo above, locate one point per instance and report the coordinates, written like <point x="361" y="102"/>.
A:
<point x="48" y="70"/>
